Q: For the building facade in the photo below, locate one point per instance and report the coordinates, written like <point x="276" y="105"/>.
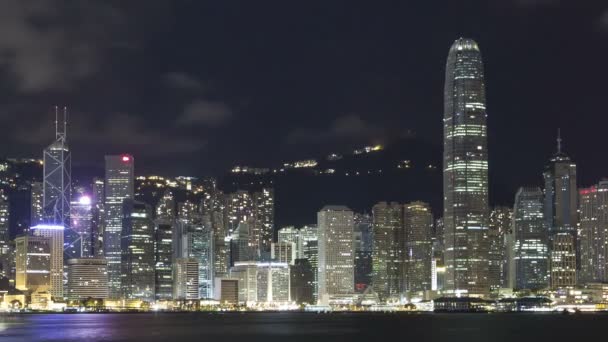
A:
<point x="119" y="180"/>
<point x="418" y="246"/>
<point x="32" y="263"/>
<point x="529" y="251"/>
<point x="465" y="172"/>
<point x="387" y="255"/>
<point x="137" y="259"/>
<point x="87" y="278"/>
<point x="593" y="204"/>
<point x="336" y="254"/>
<point x="561" y="218"/>
<point x="185" y="275"/>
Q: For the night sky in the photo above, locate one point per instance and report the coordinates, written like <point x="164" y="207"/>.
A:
<point x="194" y="87"/>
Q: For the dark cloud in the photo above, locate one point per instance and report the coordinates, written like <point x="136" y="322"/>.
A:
<point x="603" y="21"/>
<point x="114" y="133"/>
<point x="48" y="45"/>
<point x="206" y="113"/>
<point x="345" y="128"/>
<point x="182" y="80"/>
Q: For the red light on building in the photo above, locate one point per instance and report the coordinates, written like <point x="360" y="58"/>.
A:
<point x="125" y="158"/>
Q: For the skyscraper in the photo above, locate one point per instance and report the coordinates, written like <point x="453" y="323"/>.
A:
<point x="561" y="218"/>
<point x="5" y="247"/>
<point x="465" y="172"/>
<point x="32" y="263"/>
<point x="336" y="253"/>
<point x="262" y="232"/>
<point x="529" y="252"/>
<point x="118" y="187"/>
<point x="418" y="248"/>
<point x="594" y="233"/>
<point x="137" y="262"/>
<point x="164" y="228"/>
<point x="81" y="227"/>
<point x="55" y="234"/>
<point x="387" y="255"/>
<point x="500" y="226"/>
<point x="37" y="195"/>
<point x="97" y="216"/>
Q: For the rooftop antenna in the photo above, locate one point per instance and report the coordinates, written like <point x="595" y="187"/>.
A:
<point x="559" y="141"/>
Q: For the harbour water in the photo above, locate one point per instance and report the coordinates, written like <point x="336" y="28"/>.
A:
<point x="295" y="327"/>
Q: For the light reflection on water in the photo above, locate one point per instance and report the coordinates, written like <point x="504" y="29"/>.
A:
<point x="295" y="327"/>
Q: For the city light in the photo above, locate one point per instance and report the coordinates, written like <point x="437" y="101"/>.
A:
<point x="48" y="226"/>
<point x="85" y="200"/>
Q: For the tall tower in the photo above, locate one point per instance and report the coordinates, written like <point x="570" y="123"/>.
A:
<point x="118" y="187"/>
<point x="336" y="252"/>
<point x="387" y="253"/>
<point x="528" y="253"/>
<point x="561" y="217"/>
<point x="418" y="248"/>
<point x="465" y="172"/>
<point x="56" y="187"/>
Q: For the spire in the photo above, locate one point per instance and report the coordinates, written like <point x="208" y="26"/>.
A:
<point x="61" y="131"/>
<point x="559" y="141"/>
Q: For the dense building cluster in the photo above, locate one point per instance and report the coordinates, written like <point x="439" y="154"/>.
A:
<point x="127" y="242"/>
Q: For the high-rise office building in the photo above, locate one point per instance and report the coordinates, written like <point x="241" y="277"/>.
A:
<point x="57" y="187"/>
<point x="5" y="246"/>
<point x="263" y="230"/>
<point x="56" y="242"/>
<point x="561" y="218"/>
<point x="501" y="219"/>
<point x="593" y="203"/>
<point x="309" y="238"/>
<point x="292" y="235"/>
<point x="200" y="247"/>
<point x="387" y="255"/>
<point x="336" y="253"/>
<point x="284" y="252"/>
<point x="418" y="247"/>
<point x="164" y="229"/>
<point x="137" y="262"/>
<point x="363" y="241"/>
<point x="273" y="282"/>
<point x="302" y="282"/>
<point x="185" y="277"/>
<point x="118" y="187"/>
<point x="32" y="263"/>
<point x="37" y="194"/>
<point x="97" y="216"/>
<point x="81" y="244"/>
<point x="528" y="253"/>
<point x="465" y="172"/>
<point x="87" y="278"/>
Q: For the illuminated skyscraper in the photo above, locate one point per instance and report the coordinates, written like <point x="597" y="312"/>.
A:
<point x="164" y="229"/>
<point x="336" y="253"/>
<point x="200" y="248"/>
<point x="55" y="234"/>
<point x="500" y="226"/>
<point x="593" y="203"/>
<point x="118" y="187"/>
<point x="81" y="227"/>
<point x="561" y="218"/>
<point x="97" y="217"/>
<point x="465" y="172"/>
<point x="529" y="252"/>
<point x="262" y="232"/>
<point x="5" y="248"/>
<point x="363" y="240"/>
<point x="37" y="195"/>
<point x="137" y="262"/>
<point x="418" y="248"/>
<point x="387" y="255"/>
<point x="57" y="176"/>
<point x="33" y="263"/>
